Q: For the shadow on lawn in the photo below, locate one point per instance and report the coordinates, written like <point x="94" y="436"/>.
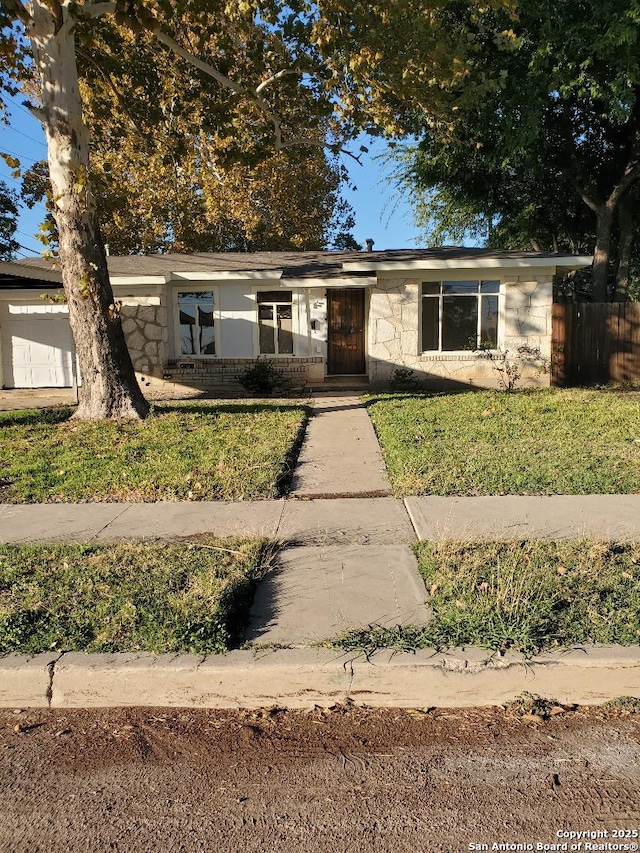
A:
<point x="227" y="408"/>
<point x="30" y="417"/>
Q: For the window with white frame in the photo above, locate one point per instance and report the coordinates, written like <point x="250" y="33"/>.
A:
<point x="459" y="315"/>
<point x="275" y="322"/>
<point x="197" y="325"/>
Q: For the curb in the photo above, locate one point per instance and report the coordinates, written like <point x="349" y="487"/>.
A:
<point x="302" y="678"/>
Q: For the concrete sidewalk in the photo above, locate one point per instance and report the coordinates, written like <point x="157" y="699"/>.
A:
<point x="607" y="517"/>
<point x="356" y="521"/>
<point x="330" y="522"/>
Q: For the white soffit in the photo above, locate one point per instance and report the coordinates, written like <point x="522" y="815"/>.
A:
<point x="354" y="281"/>
<point x="565" y="262"/>
<point x="226" y="275"/>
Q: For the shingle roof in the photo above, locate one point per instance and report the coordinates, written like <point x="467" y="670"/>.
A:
<point x="292" y="264"/>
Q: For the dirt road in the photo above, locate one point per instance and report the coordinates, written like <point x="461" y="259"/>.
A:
<point x="343" y="780"/>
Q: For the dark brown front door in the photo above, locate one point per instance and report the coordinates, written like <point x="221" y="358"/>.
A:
<point x="346" y="330"/>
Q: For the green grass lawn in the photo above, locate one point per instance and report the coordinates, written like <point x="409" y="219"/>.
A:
<point x="524" y="596"/>
<point x="541" y="442"/>
<point x="192" y="451"/>
<point x="157" y="597"/>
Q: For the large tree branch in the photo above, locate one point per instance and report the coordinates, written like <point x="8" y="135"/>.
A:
<point x="18" y="11"/>
<point x="591" y="203"/>
<point x="254" y="96"/>
<point x="630" y="176"/>
<point x="203" y="66"/>
<point x="274" y="78"/>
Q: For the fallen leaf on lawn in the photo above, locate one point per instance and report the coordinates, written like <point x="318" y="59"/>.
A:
<point x="562" y="570"/>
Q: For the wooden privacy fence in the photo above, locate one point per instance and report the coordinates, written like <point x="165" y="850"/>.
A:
<point x="595" y="342"/>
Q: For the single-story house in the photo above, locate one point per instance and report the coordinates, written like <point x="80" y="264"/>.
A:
<point x="197" y="321"/>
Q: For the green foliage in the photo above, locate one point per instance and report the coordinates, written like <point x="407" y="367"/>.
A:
<point x="194" y="451"/>
<point x="542" y="442"/>
<point x="404" y="379"/>
<point x="521" y="596"/>
<point x="8" y="223"/>
<point x="544" y="129"/>
<point x="630" y="704"/>
<point x="262" y="379"/>
<point x="158" y="597"/>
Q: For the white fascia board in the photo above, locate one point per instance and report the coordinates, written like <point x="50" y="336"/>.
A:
<point x="355" y="281"/>
<point x="226" y="275"/>
<point x="137" y="280"/>
<point x="24" y="271"/>
<point x="567" y="262"/>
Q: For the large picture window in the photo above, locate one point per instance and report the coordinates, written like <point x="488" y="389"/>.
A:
<point x="275" y="322"/>
<point x="459" y="315"/>
<point x="197" y="329"/>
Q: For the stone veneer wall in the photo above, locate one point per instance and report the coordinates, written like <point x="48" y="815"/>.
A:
<point x="394" y="323"/>
<point x="145" y="328"/>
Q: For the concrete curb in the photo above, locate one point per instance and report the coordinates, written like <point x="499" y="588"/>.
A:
<point x="302" y="678"/>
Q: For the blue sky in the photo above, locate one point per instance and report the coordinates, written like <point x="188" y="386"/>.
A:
<point x="379" y="212"/>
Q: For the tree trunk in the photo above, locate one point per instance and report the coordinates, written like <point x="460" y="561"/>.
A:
<point x="625" y="248"/>
<point x="602" y="253"/>
<point x="109" y="385"/>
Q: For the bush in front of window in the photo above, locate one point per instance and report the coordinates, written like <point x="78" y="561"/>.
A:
<point x="510" y="372"/>
<point x="262" y="379"/>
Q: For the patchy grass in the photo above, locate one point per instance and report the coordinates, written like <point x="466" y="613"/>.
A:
<point x="523" y="596"/>
<point x="541" y="442"/>
<point x="193" y="451"/>
<point x="629" y="704"/>
<point x="128" y="597"/>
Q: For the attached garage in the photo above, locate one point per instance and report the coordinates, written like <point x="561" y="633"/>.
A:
<point x="37" y="348"/>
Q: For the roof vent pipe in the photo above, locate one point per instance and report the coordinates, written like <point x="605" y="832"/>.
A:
<point x="369" y="243"/>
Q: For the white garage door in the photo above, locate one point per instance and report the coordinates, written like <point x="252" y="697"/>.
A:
<point x="36" y="345"/>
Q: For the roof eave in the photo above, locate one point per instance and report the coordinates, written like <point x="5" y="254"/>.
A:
<point x="568" y="262"/>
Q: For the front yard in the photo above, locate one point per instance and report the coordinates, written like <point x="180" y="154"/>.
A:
<point x="556" y="441"/>
<point x="158" y="597"/>
<point x="523" y="596"/>
<point x="191" y="451"/>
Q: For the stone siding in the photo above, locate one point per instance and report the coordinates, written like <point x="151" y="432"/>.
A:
<point x="146" y="333"/>
<point x="525" y="322"/>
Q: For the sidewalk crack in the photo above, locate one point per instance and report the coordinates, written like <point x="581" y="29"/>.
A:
<point x="349" y="663"/>
<point x="110" y="522"/>
<point x="279" y="524"/>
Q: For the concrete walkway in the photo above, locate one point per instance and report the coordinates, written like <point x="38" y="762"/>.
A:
<point x="340" y="456"/>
